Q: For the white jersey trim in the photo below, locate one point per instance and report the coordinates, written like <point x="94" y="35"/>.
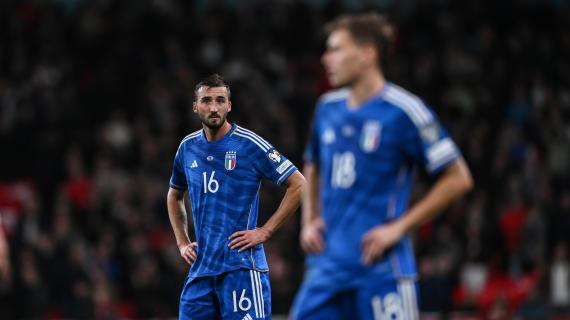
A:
<point x="253" y="293"/>
<point x="334" y="95"/>
<point x="255" y="135"/>
<point x="441" y="150"/>
<point x="407" y="292"/>
<point x="191" y="136"/>
<point x="260" y="293"/>
<point x="251" y="139"/>
<point x="260" y="142"/>
<point x="281" y="179"/>
<point x="410" y="104"/>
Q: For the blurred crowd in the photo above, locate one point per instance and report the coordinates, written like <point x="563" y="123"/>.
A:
<point x="95" y="97"/>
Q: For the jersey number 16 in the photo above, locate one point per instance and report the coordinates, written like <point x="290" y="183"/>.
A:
<point x="210" y="185"/>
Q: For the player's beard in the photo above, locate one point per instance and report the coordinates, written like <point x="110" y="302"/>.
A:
<point x="213" y="123"/>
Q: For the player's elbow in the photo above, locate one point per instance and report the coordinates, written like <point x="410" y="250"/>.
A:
<point x="300" y="183"/>
<point x="296" y="183"/>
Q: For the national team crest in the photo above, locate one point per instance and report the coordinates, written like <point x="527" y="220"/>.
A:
<point x="231" y="159"/>
<point x="370" y="136"/>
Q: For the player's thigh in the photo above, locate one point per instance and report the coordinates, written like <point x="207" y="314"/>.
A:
<point x="315" y="302"/>
<point x="198" y="300"/>
<point x="388" y="299"/>
<point x="245" y="294"/>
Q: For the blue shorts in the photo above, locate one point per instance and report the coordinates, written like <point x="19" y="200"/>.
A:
<point x="376" y="300"/>
<point x="241" y="294"/>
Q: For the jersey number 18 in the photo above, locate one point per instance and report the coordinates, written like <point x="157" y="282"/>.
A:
<point x="343" y="173"/>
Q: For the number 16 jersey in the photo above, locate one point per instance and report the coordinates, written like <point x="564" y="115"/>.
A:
<point x="223" y="178"/>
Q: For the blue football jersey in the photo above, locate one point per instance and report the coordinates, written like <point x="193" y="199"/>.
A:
<point x="223" y="178"/>
<point x="366" y="159"/>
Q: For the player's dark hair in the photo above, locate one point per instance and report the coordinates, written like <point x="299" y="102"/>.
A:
<point x="212" y="81"/>
<point x="367" y="28"/>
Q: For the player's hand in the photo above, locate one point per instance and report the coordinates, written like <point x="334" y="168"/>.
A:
<point x="312" y="237"/>
<point x="188" y="252"/>
<point x="379" y="239"/>
<point x="243" y="240"/>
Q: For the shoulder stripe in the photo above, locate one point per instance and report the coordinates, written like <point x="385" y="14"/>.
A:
<point x="410" y="104"/>
<point x="190" y="136"/>
<point x="251" y="139"/>
<point x="193" y="134"/>
<point x="411" y="107"/>
<point x="413" y="99"/>
<point x="255" y="136"/>
<point x="334" y="95"/>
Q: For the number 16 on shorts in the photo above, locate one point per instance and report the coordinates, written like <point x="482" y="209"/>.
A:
<point x="244" y="303"/>
<point x="251" y="299"/>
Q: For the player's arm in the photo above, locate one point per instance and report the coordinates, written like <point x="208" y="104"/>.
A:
<point x="312" y="223"/>
<point x="454" y="181"/>
<point x="179" y="221"/>
<point x="4" y="258"/>
<point x="246" y="239"/>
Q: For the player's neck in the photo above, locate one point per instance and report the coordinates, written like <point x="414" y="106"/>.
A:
<point x="217" y="134"/>
<point x="365" y="88"/>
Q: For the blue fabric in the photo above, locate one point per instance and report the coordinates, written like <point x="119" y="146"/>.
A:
<point x="223" y="178"/>
<point x="240" y="294"/>
<point x="379" y="298"/>
<point x="366" y="158"/>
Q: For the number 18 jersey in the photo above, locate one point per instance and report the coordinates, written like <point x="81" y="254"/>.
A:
<point x="223" y="178"/>
<point x="366" y="159"/>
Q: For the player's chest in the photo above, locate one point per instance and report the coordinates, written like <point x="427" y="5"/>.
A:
<point x="366" y="136"/>
<point x="228" y="162"/>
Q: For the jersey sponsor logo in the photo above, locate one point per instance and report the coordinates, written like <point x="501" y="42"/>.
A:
<point x="209" y="158"/>
<point x="328" y="136"/>
<point x="274" y="156"/>
<point x="194" y="164"/>
<point x="231" y="160"/>
<point x="370" y="136"/>
<point x="284" y="166"/>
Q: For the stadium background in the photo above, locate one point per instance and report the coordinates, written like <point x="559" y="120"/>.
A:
<point x="95" y="97"/>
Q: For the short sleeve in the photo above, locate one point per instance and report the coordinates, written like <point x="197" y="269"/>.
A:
<point x="178" y="178"/>
<point x="429" y="143"/>
<point x="274" y="166"/>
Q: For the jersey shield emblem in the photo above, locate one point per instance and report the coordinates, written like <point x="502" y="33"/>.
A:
<point x="370" y="136"/>
<point x="231" y="159"/>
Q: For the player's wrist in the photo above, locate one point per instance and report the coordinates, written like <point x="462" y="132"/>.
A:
<point x="267" y="232"/>
<point x="401" y="226"/>
<point x="183" y="245"/>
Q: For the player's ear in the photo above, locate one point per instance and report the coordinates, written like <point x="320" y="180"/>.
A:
<point x="371" y="53"/>
<point x="229" y="106"/>
<point x="194" y="107"/>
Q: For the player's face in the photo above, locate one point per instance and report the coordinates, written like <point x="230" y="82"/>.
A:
<point x="212" y="106"/>
<point x="344" y="60"/>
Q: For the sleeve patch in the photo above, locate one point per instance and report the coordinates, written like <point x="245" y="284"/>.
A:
<point x="283" y="167"/>
<point x="274" y="156"/>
